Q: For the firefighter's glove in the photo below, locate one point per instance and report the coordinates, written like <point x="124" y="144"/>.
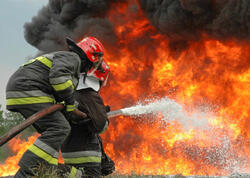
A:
<point x="107" y="165"/>
<point x="105" y="127"/>
<point x="107" y="108"/>
<point x="76" y="119"/>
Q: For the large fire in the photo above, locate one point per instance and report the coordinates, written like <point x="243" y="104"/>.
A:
<point x="209" y="75"/>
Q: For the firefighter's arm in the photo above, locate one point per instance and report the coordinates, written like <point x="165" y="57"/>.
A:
<point x="98" y="114"/>
<point x="62" y="78"/>
<point x="91" y="103"/>
<point x="96" y="122"/>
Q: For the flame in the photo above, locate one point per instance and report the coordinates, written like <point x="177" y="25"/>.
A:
<point x="209" y="75"/>
<point x="18" y="147"/>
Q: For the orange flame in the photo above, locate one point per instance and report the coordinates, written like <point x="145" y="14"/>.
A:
<point x="210" y="75"/>
<point x="18" y="147"/>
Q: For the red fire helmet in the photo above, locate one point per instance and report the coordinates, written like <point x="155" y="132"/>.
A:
<point x="92" y="48"/>
<point x="102" y="72"/>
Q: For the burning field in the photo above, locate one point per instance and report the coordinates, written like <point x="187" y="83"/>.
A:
<point x="193" y="55"/>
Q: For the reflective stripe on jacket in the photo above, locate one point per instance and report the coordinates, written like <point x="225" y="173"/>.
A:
<point x="28" y="97"/>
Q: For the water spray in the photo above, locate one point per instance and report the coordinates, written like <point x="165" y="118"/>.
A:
<point x="200" y="119"/>
<point x="170" y="111"/>
<point x="148" y="107"/>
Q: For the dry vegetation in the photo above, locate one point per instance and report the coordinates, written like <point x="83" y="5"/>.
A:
<point x="54" y="175"/>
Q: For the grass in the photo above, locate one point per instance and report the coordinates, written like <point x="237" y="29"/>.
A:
<point x="54" y="174"/>
<point x="114" y="175"/>
<point x="44" y="172"/>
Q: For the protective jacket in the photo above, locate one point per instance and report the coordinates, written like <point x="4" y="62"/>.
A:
<point x="83" y="148"/>
<point x="45" y="79"/>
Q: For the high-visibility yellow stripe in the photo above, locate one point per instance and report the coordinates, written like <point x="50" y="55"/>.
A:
<point x="30" y="61"/>
<point x="40" y="153"/>
<point x="58" y="80"/>
<point x="29" y="100"/>
<point x="77" y="154"/>
<point x="48" y="149"/>
<point x="88" y="159"/>
<point x="70" y="107"/>
<point x="42" y="59"/>
<point x="45" y="61"/>
<point x="25" y="94"/>
<point x="63" y="86"/>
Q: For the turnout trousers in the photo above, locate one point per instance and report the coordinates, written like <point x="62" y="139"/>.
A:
<point x="82" y="150"/>
<point x="54" y="128"/>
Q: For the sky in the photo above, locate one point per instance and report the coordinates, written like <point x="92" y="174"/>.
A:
<point x="14" y="49"/>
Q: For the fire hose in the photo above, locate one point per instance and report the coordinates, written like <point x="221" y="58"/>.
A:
<point x="30" y="120"/>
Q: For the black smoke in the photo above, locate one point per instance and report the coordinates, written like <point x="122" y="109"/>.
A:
<point x="188" y="19"/>
<point x="181" y="20"/>
<point x="72" y="18"/>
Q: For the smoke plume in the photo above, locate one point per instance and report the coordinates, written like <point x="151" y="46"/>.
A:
<point x="180" y="20"/>
<point x="188" y="19"/>
<point x="72" y="18"/>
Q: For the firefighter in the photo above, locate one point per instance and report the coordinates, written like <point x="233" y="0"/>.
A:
<point x="83" y="148"/>
<point x="40" y="83"/>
